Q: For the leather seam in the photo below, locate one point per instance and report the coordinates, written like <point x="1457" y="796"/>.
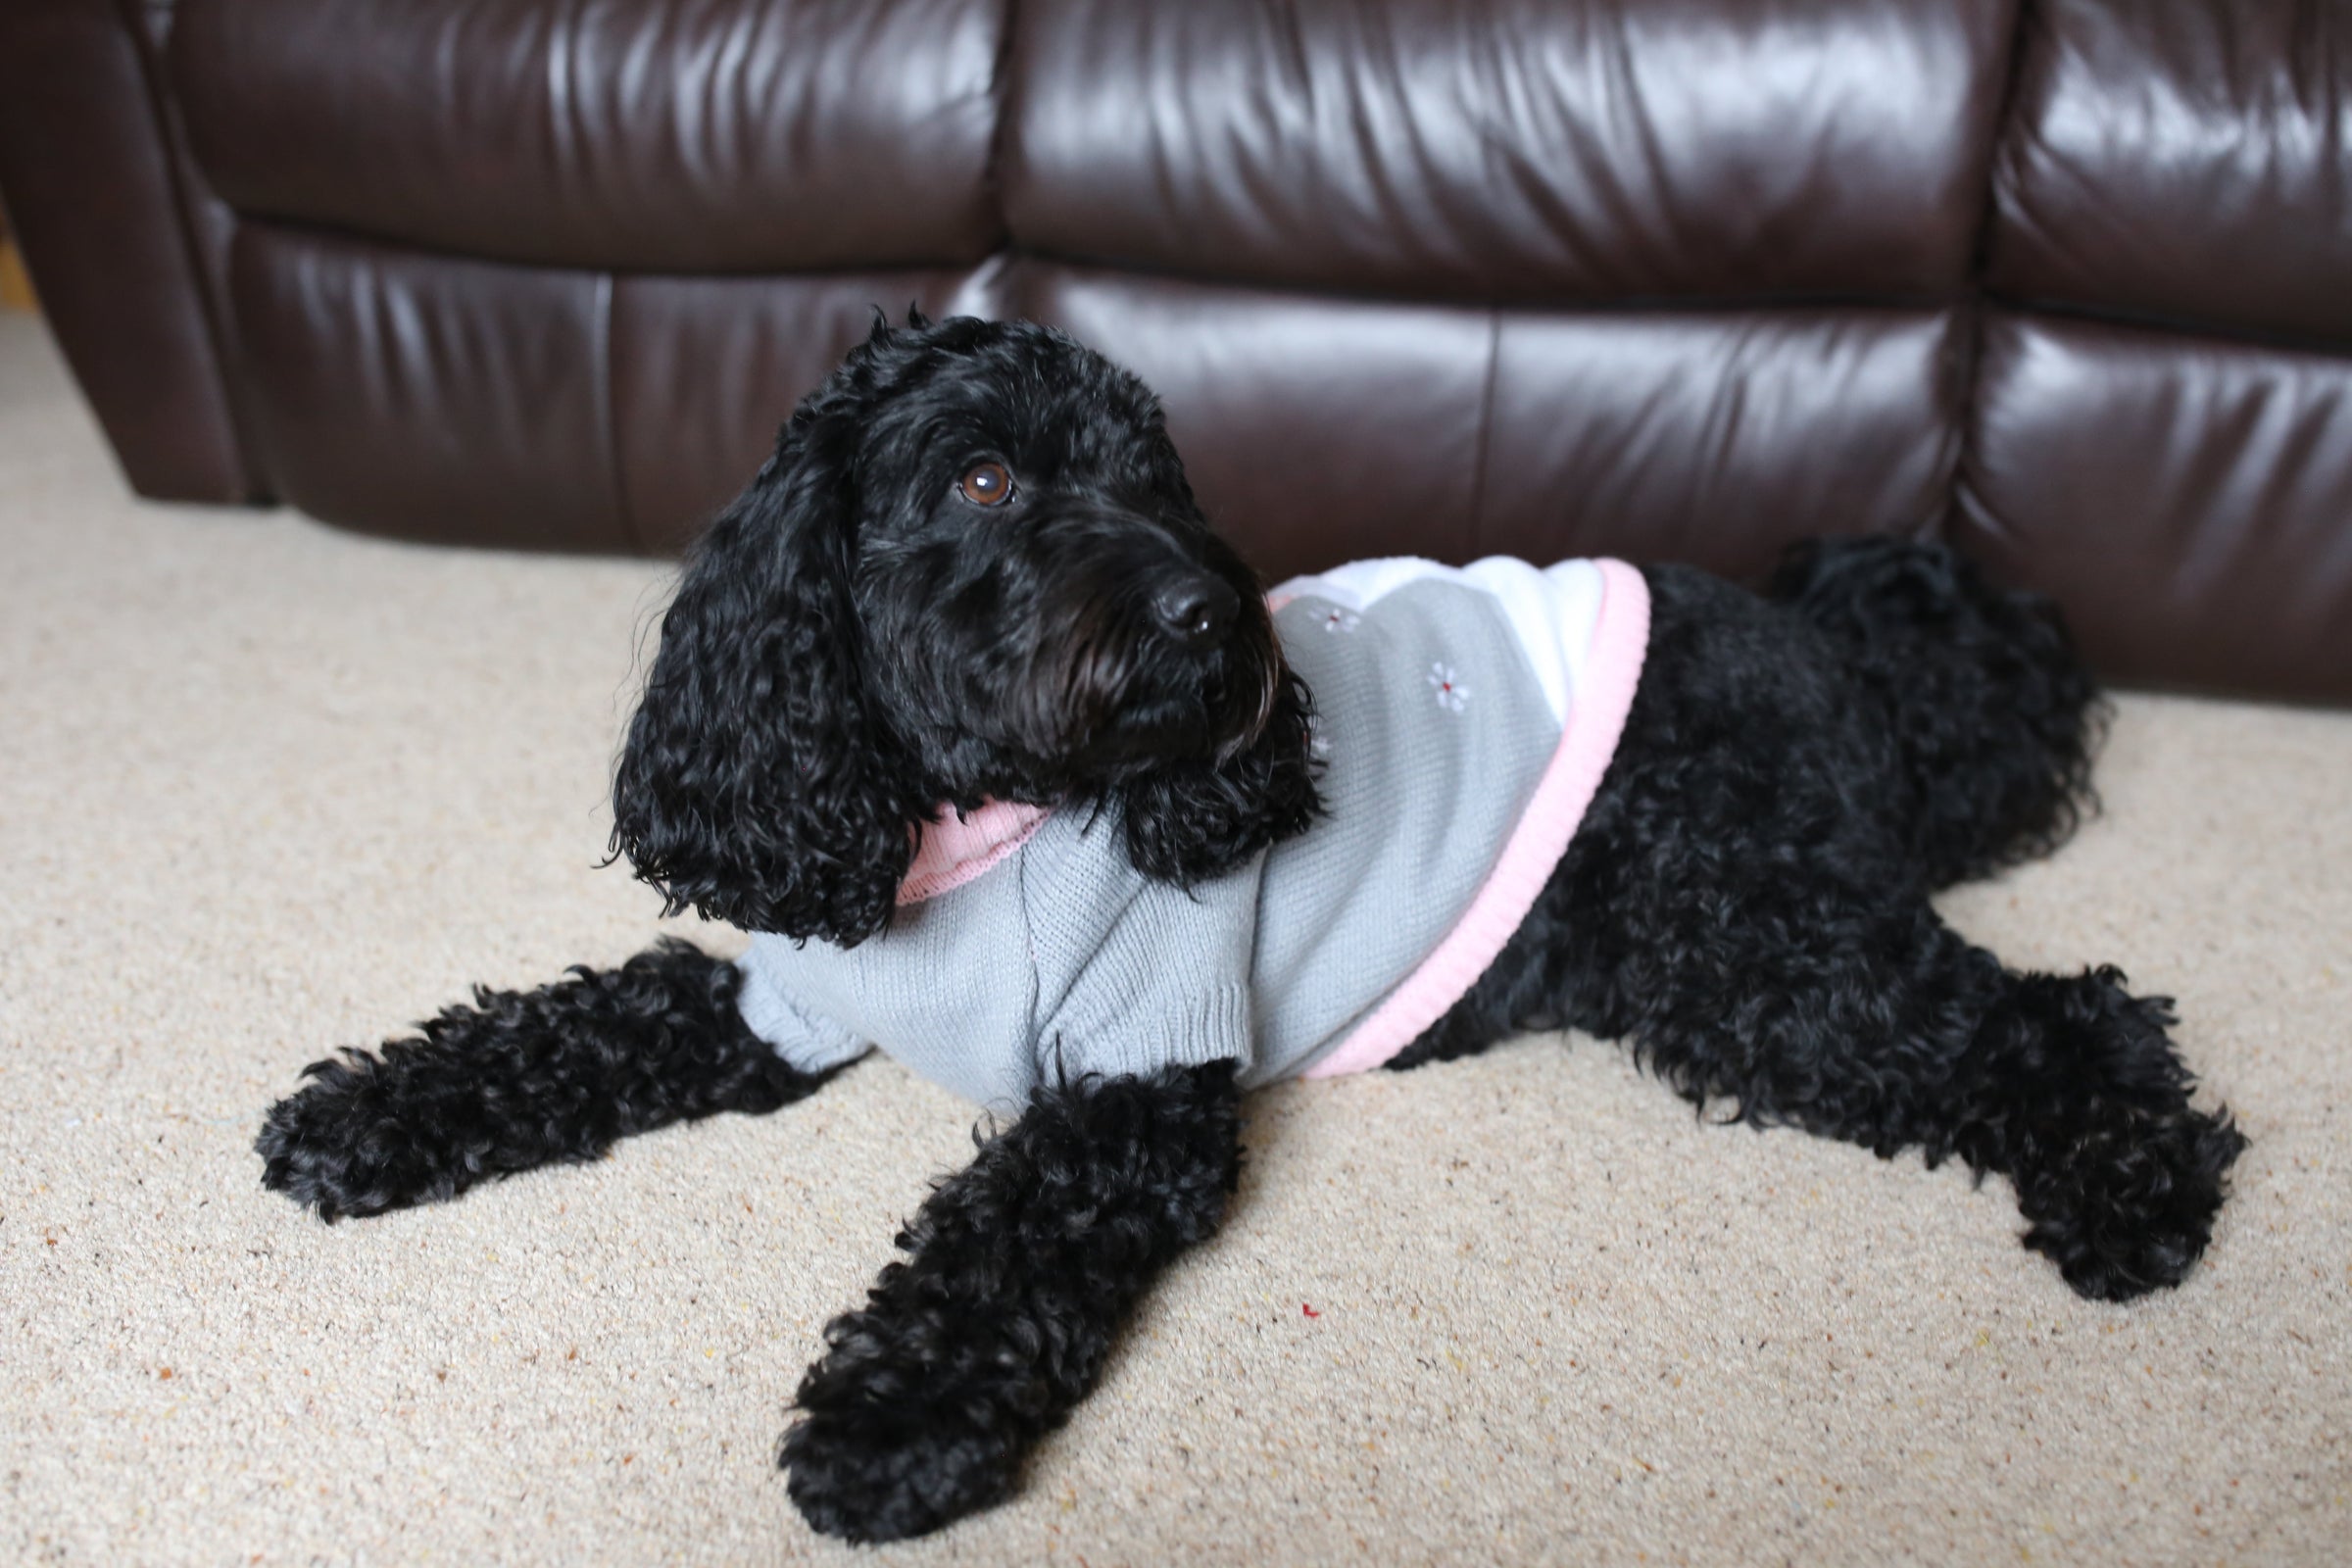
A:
<point x="213" y="305"/>
<point x="335" y="229"/>
<point x="1969" y="373"/>
<point x="1894" y="301"/>
<point x="1000" y="98"/>
<point x="1486" y="431"/>
<point x="1650" y="305"/>
<point x="608" y="409"/>
<point x="2217" y="334"/>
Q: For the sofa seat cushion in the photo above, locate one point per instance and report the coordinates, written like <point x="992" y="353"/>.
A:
<point x="648" y="136"/>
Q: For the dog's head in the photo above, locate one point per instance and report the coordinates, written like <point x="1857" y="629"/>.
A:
<point x="973" y="569"/>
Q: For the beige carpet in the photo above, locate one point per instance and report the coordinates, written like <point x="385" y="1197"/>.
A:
<point x="268" y="788"/>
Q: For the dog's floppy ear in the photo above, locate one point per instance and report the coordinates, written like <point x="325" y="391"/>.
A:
<point x="757" y="785"/>
<point x="1198" y="820"/>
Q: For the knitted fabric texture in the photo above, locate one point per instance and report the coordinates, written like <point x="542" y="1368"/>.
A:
<point x="1463" y="720"/>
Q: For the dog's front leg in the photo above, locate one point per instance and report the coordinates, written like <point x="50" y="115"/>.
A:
<point x="1019" y="1271"/>
<point x="522" y="1079"/>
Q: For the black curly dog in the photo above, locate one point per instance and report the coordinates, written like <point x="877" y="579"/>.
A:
<point x="973" y="569"/>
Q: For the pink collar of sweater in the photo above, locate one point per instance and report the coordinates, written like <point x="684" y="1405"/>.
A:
<point x="953" y="847"/>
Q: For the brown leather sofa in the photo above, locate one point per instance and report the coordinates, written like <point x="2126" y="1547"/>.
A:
<point x="2069" y="282"/>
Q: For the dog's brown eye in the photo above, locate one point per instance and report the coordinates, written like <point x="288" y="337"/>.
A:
<point x="987" y="484"/>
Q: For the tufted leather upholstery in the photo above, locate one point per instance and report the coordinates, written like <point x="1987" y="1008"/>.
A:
<point x="1525" y="152"/>
<point x="2066" y="280"/>
<point x="684" y="136"/>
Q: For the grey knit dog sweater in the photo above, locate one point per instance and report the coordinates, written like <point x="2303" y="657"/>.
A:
<point x="1463" y="718"/>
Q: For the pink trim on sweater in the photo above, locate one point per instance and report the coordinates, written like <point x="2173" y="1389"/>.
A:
<point x="951" y="851"/>
<point x="1620" y="641"/>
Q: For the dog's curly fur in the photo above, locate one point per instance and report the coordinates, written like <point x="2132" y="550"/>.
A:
<point x="850" y="649"/>
<point x="1020" y="1272"/>
<point x="859" y="640"/>
<point x="522" y="1079"/>
<point x="1745" y="901"/>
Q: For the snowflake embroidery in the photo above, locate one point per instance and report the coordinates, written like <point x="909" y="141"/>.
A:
<point x="1452" y="695"/>
<point x="1342" y="621"/>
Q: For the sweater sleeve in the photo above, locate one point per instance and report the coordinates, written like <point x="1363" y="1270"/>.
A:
<point x="1168" y="986"/>
<point x="805" y="1040"/>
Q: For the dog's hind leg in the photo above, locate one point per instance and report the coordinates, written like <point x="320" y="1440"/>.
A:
<point x="521" y="1079"/>
<point x="1996" y="717"/>
<point x="2070" y="1086"/>
<point x="1746" y="903"/>
<point x="1897" y="1034"/>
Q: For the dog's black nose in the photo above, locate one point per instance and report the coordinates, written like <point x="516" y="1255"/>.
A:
<point x="1197" y="609"/>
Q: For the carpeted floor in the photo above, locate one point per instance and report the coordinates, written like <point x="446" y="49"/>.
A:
<point x="268" y="788"/>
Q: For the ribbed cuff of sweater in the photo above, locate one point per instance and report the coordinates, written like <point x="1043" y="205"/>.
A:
<point x="1211" y="1024"/>
<point x="806" y="1043"/>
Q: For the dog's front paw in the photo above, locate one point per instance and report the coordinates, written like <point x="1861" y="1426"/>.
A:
<point x="346" y="1144"/>
<point x="883" y="1475"/>
<point x="2127" y="1210"/>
